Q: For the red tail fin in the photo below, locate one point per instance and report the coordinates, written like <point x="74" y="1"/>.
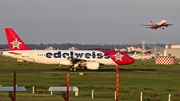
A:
<point x="14" y="41"/>
<point x="151" y="22"/>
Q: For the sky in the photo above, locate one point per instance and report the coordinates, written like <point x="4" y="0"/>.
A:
<point x="90" y="21"/>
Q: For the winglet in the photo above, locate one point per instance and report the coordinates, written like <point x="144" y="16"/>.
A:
<point x="14" y="41"/>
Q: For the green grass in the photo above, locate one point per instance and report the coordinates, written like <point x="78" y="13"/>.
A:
<point x="155" y="85"/>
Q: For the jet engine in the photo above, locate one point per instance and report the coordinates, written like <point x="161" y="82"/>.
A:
<point x="90" y="65"/>
<point x="66" y="62"/>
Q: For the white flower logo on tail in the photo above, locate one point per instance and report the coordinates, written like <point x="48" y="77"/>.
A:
<point x="118" y="56"/>
<point x="16" y="43"/>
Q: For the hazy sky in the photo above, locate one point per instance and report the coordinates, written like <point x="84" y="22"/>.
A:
<point x="90" y="21"/>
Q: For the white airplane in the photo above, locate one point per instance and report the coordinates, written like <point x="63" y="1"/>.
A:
<point x="161" y="24"/>
<point x="86" y="59"/>
<point x="141" y="56"/>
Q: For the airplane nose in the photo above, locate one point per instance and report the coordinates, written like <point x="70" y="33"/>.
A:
<point x="131" y="60"/>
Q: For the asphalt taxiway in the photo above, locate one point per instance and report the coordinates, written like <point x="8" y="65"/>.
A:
<point x="97" y="71"/>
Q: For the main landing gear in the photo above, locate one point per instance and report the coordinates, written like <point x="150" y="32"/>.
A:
<point x="71" y="68"/>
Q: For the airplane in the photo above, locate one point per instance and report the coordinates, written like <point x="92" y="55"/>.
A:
<point x="141" y="56"/>
<point x="85" y="59"/>
<point x="161" y="24"/>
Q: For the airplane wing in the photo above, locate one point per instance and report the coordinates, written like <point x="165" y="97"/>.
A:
<point x="14" y="53"/>
<point x="170" y="24"/>
<point x="77" y="60"/>
<point x="146" y="25"/>
<point x="74" y="62"/>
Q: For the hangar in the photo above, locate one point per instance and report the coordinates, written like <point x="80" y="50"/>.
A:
<point x="172" y="50"/>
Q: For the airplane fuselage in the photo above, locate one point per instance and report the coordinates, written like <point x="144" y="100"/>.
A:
<point x="57" y="56"/>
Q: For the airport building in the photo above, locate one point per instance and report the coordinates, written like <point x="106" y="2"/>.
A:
<point x="157" y="51"/>
<point x="172" y="50"/>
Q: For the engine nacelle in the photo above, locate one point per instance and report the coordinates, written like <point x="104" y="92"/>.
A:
<point x="92" y="65"/>
<point x="66" y="62"/>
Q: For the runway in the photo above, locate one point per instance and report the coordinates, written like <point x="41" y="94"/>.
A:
<point x="95" y="71"/>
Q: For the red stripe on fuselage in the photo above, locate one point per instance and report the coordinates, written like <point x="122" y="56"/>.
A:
<point x="120" y="58"/>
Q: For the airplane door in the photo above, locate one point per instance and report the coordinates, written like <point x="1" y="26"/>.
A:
<point x="31" y="56"/>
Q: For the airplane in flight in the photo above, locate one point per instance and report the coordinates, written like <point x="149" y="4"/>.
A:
<point x="162" y="24"/>
<point x="86" y="59"/>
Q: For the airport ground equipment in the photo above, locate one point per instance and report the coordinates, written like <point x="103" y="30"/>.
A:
<point x="63" y="89"/>
<point x="10" y="89"/>
<point x="13" y="89"/>
<point x="165" y="60"/>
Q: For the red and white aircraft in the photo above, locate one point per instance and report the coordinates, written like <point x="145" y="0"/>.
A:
<point x="161" y="24"/>
<point x="86" y="59"/>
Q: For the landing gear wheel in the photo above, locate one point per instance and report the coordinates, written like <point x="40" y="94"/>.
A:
<point x="70" y="68"/>
<point x="74" y="69"/>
